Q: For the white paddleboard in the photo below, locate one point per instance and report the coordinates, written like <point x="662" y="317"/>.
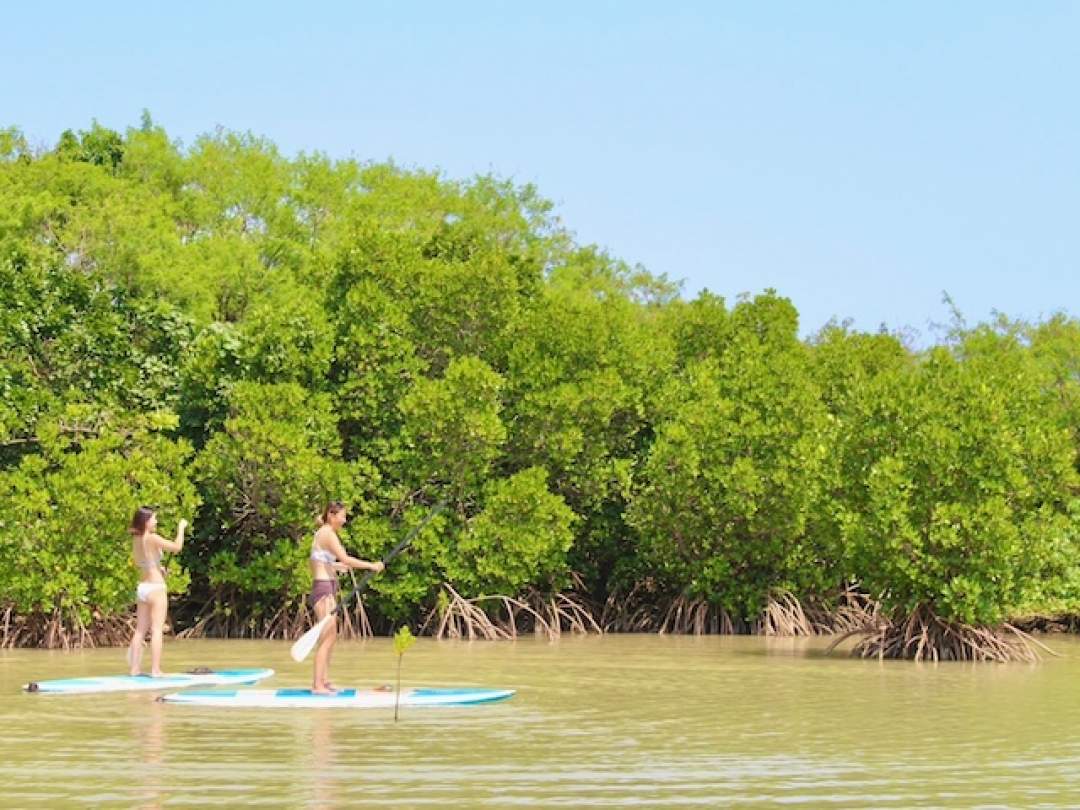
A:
<point x="129" y="683"/>
<point x="342" y="699"/>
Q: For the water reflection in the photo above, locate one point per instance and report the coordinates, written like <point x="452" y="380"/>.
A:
<point x="326" y="787"/>
<point x="148" y="722"/>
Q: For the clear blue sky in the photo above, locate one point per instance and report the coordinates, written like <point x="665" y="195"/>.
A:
<point x="860" y="157"/>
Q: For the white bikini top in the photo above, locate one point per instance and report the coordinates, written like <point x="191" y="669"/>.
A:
<point x="321" y="555"/>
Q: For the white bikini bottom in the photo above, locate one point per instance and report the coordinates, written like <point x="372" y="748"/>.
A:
<point x="142" y="593"/>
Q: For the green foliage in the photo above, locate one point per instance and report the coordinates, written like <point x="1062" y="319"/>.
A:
<point x="263" y="477"/>
<point x="729" y="507"/>
<point x="584" y="375"/>
<point x="844" y="362"/>
<point x="287" y="338"/>
<point x="69" y="336"/>
<point x="64" y="547"/>
<point x="413" y="578"/>
<point x="98" y="145"/>
<point x="13" y="144"/>
<point x="515" y="534"/>
<point x="520" y="538"/>
<point x="700" y="328"/>
<point x="451" y="426"/>
<point x="966" y="504"/>
<point x="403" y="640"/>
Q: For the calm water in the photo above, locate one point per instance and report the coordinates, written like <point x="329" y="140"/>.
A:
<point x="613" y="721"/>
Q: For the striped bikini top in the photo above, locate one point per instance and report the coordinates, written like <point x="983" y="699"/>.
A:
<point x="321" y="555"/>
<point x="151" y="560"/>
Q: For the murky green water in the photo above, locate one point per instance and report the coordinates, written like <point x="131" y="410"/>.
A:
<point x="613" y="721"/>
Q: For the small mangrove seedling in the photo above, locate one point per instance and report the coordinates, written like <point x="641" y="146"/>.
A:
<point x="403" y="639"/>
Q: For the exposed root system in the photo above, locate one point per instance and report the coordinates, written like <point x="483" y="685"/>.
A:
<point x="1057" y="623"/>
<point x="923" y="636"/>
<point x="855" y="612"/>
<point x="60" y="631"/>
<point x="354" y="623"/>
<point x="505" y="617"/>
<point x="634" y="612"/>
<point x="287" y="624"/>
<point x="697" y="617"/>
<point x="640" y="611"/>
<point x="784" y="616"/>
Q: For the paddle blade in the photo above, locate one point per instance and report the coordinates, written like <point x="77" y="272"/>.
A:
<point x="306" y="643"/>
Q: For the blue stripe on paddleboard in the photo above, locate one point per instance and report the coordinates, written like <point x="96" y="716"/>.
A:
<point x="173" y="680"/>
<point x="418" y="698"/>
<point x="128" y="679"/>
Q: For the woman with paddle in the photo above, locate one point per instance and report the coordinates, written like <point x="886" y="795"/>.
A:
<point x="328" y="557"/>
<point x="151" y="599"/>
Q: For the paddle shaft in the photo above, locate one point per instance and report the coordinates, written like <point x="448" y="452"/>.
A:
<point x="366" y="578"/>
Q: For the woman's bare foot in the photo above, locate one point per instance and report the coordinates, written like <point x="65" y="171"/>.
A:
<point x="323" y="691"/>
<point x="158" y="674"/>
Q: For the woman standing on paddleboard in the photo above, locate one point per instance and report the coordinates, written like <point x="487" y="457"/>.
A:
<point x="151" y="599"/>
<point x="328" y="557"/>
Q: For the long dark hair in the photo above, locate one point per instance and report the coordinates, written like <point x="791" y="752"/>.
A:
<point x="332" y="508"/>
<point x="141" y="518"/>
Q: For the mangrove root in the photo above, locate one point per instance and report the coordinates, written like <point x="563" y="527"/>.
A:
<point x="924" y="636"/>
<point x="505" y="617"/>
<point x="784" y="616"/>
<point x="288" y="623"/>
<point x="61" y="630"/>
<point x="697" y="617"/>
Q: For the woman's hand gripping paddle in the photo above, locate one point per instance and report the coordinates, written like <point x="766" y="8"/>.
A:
<point x="306" y="643"/>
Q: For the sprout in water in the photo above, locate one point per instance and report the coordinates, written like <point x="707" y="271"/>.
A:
<point x="403" y="639"/>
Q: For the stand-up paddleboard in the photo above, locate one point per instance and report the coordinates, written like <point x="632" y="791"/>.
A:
<point x="342" y="699"/>
<point x="130" y="683"/>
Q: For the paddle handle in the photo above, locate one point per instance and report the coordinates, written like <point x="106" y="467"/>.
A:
<point x="366" y="578"/>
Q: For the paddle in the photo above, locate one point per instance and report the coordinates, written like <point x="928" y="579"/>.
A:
<point x="306" y="643"/>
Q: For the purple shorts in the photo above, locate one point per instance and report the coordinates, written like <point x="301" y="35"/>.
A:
<point x="322" y="588"/>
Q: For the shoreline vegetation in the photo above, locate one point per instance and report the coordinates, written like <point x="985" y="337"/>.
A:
<point x="223" y="331"/>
